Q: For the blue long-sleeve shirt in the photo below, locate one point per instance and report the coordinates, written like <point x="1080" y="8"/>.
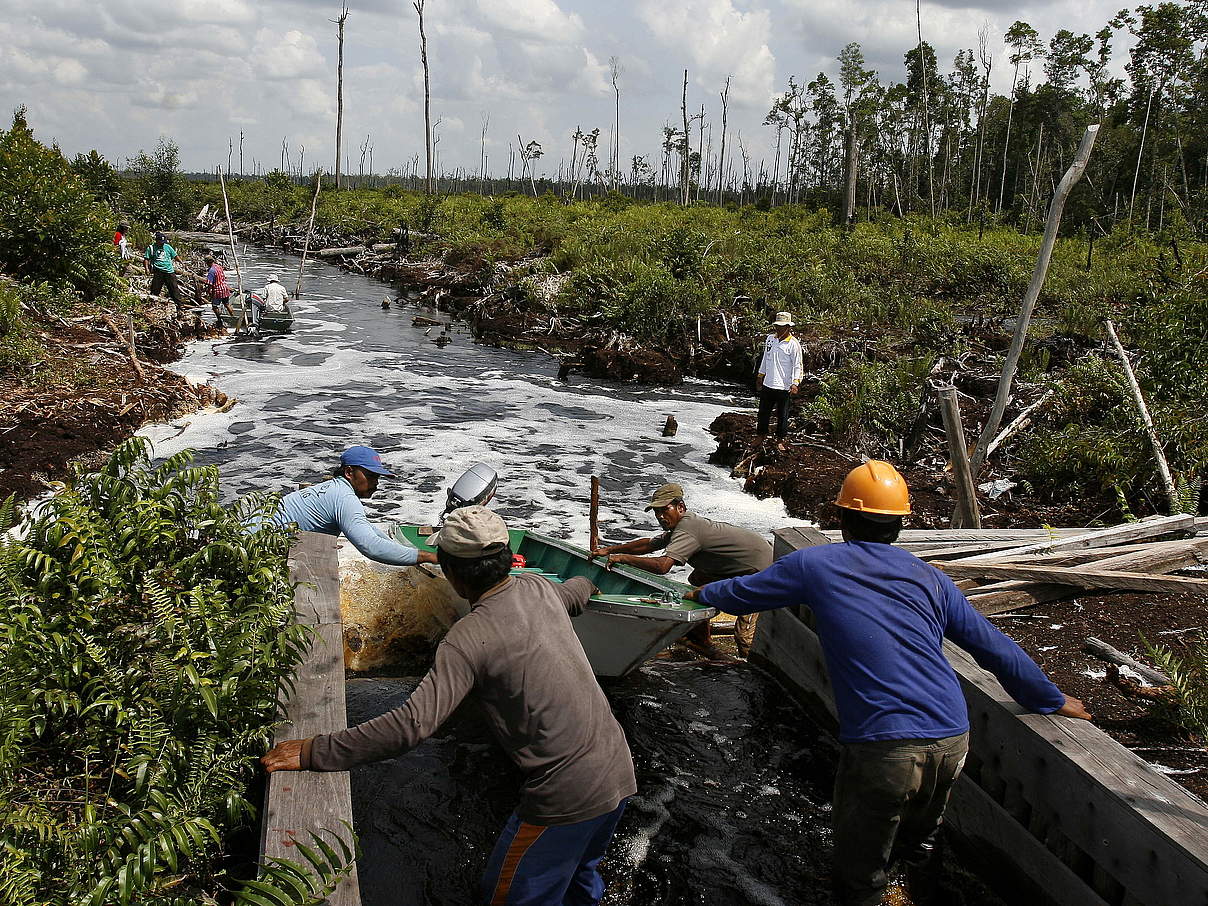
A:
<point x="332" y="508"/>
<point x="882" y="615"/>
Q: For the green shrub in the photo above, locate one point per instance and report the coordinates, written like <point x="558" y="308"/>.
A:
<point x="143" y="637"/>
<point x="161" y="197"/>
<point x="1186" y="707"/>
<point x="51" y="227"/>
<point x="870" y="405"/>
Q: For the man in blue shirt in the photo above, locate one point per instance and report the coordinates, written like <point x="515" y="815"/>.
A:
<point x="882" y="616"/>
<point x="334" y="507"/>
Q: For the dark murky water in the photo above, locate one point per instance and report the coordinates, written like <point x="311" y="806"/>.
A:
<point x="732" y="805"/>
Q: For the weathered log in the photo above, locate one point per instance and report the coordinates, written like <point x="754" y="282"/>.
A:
<point x="1112" y="655"/>
<point x="343" y="252"/>
<point x="670" y="426"/>
<point x="967" y="514"/>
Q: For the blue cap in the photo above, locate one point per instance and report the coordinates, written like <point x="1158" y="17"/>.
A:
<point x="365" y="458"/>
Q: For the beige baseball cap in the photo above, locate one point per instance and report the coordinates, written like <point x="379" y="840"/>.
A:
<point x="664" y="495"/>
<point x="472" y="531"/>
<point x="783" y="319"/>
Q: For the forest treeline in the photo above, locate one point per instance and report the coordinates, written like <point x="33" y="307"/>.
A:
<point x="939" y="141"/>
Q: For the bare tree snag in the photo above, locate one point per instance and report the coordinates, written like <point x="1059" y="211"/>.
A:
<point x="721" y="164"/>
<point x="1172" y="494"/>
<point x="687" y="150"/>
<point x="1003" y="395"/>
<point x="423" y="55"/>
<point x="339" y="95"/>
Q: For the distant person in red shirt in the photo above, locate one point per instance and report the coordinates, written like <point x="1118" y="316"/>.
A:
<point x="218" y="289"/>
<point x="119" y="239"/>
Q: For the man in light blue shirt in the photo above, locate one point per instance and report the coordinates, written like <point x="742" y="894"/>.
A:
<point x="334" y="507"/>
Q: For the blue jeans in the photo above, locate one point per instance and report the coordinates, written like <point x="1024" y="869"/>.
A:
<point x="537" y="865"/>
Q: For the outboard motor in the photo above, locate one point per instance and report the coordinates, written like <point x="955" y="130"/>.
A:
<point x="476" y="487"/>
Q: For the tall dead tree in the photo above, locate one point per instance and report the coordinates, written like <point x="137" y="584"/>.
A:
<point x="340" y="87"/>
<point x="423" y="56"/>
<point x="721" y="164"/>
<point x="614" y="166"/>
<point x="687" y="148"/>
<point x="482" y="154"/>
<point x="1003" y="395"/>
<point x="918" y="18"/>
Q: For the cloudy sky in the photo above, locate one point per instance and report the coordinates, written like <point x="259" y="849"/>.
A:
<point x="116" y="74"/>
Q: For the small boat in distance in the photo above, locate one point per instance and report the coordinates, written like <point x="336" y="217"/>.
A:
<point x="635" y="615"/>
<point x="270" y="321"/>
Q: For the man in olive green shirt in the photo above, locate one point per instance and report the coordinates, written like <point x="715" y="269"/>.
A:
<point x="714" y="550"/>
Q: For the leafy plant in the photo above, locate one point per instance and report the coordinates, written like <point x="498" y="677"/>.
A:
<point x="144" y="633"/>
<point x="1185" y="706"/>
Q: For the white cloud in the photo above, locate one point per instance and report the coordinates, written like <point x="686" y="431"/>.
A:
<point x="291" y="55"/>
<point x="719" y="39"/>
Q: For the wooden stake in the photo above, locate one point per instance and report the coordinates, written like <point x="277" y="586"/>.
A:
<point x="226" y="206"/>
<point x="127" y="340"/>
<point x="593" y="518"/>
<point x="1003" y="395"/>
<point x="1172" y="493"/>
<point x="967" y="514"/>
<point x="310" y="228"/>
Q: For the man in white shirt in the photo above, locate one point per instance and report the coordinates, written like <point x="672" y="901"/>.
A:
<point x="275" y="295"/>
<point x="780" y="373"/>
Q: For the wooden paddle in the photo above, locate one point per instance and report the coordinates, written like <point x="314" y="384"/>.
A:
<point x="593" y="518"/>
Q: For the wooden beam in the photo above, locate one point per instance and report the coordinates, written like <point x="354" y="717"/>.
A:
<point x="299" y="803"/>
<point x="1154" y="527"/>
<point x="1112" y="655"/>
<point x="1077" y="578"/>
<point x="967" y="514"/>
<point x="1006" y="596"/>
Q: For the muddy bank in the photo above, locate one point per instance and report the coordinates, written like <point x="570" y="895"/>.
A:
<point x="509" y="304"/>
<point x="805" y="471"/>
<point x="86" y="395"/>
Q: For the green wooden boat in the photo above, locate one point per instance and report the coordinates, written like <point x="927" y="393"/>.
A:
<point x="270" y="321"/>
<point x="634" y="617"/>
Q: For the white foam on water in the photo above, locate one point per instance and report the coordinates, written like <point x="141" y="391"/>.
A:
<point x="352" y="373"/>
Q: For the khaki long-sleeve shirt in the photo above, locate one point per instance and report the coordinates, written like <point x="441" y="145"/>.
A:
<point x="517" y="654"/>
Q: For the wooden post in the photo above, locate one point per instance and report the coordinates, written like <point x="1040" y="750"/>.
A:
<point x="1003" y="395"/>
<point x="1172" y="493"/>
<point x="226" y="206"/>
<point x="593" y="518"/>
<point x="967" y="513"/>
<point x="310" y="228"/>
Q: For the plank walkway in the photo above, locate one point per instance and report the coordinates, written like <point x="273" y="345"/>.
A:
<point x="297" y="803"/>
<point x="1077" y="818"/>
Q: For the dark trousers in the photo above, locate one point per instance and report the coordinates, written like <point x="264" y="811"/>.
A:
<point x="890" y="798"/>
<point x="160" y="279"/>
<point x="535" y="865"/>
<point x="773" y="401"/>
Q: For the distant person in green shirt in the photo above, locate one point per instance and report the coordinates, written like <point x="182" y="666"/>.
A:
<point x="159" y="258"/>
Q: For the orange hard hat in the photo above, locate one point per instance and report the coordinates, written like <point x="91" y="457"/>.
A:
<point x="875" y="487"/>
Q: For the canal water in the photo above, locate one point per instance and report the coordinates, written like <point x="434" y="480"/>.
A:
<point x="734" y="780"/>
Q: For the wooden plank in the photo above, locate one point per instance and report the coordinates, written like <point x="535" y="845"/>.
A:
<point x="1153" y="527"/>
<point x="300" y="802"/>
<point x="909" y="536"/>
<point x="1142" y="828"/>
<point x="1006" y="596"/>
<point x="1081" y="577"/>
<point x="800" y="536"/>
<point x="314" y="568"/>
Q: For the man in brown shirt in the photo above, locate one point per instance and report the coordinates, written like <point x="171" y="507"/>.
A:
<point x="714" y="550"/>
<point x="517" y="654"/>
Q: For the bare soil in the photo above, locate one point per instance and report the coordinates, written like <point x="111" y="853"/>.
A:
<point x="86" y="397"/>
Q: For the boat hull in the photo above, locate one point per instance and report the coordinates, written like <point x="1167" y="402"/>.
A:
<point x="624" y="625"/>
